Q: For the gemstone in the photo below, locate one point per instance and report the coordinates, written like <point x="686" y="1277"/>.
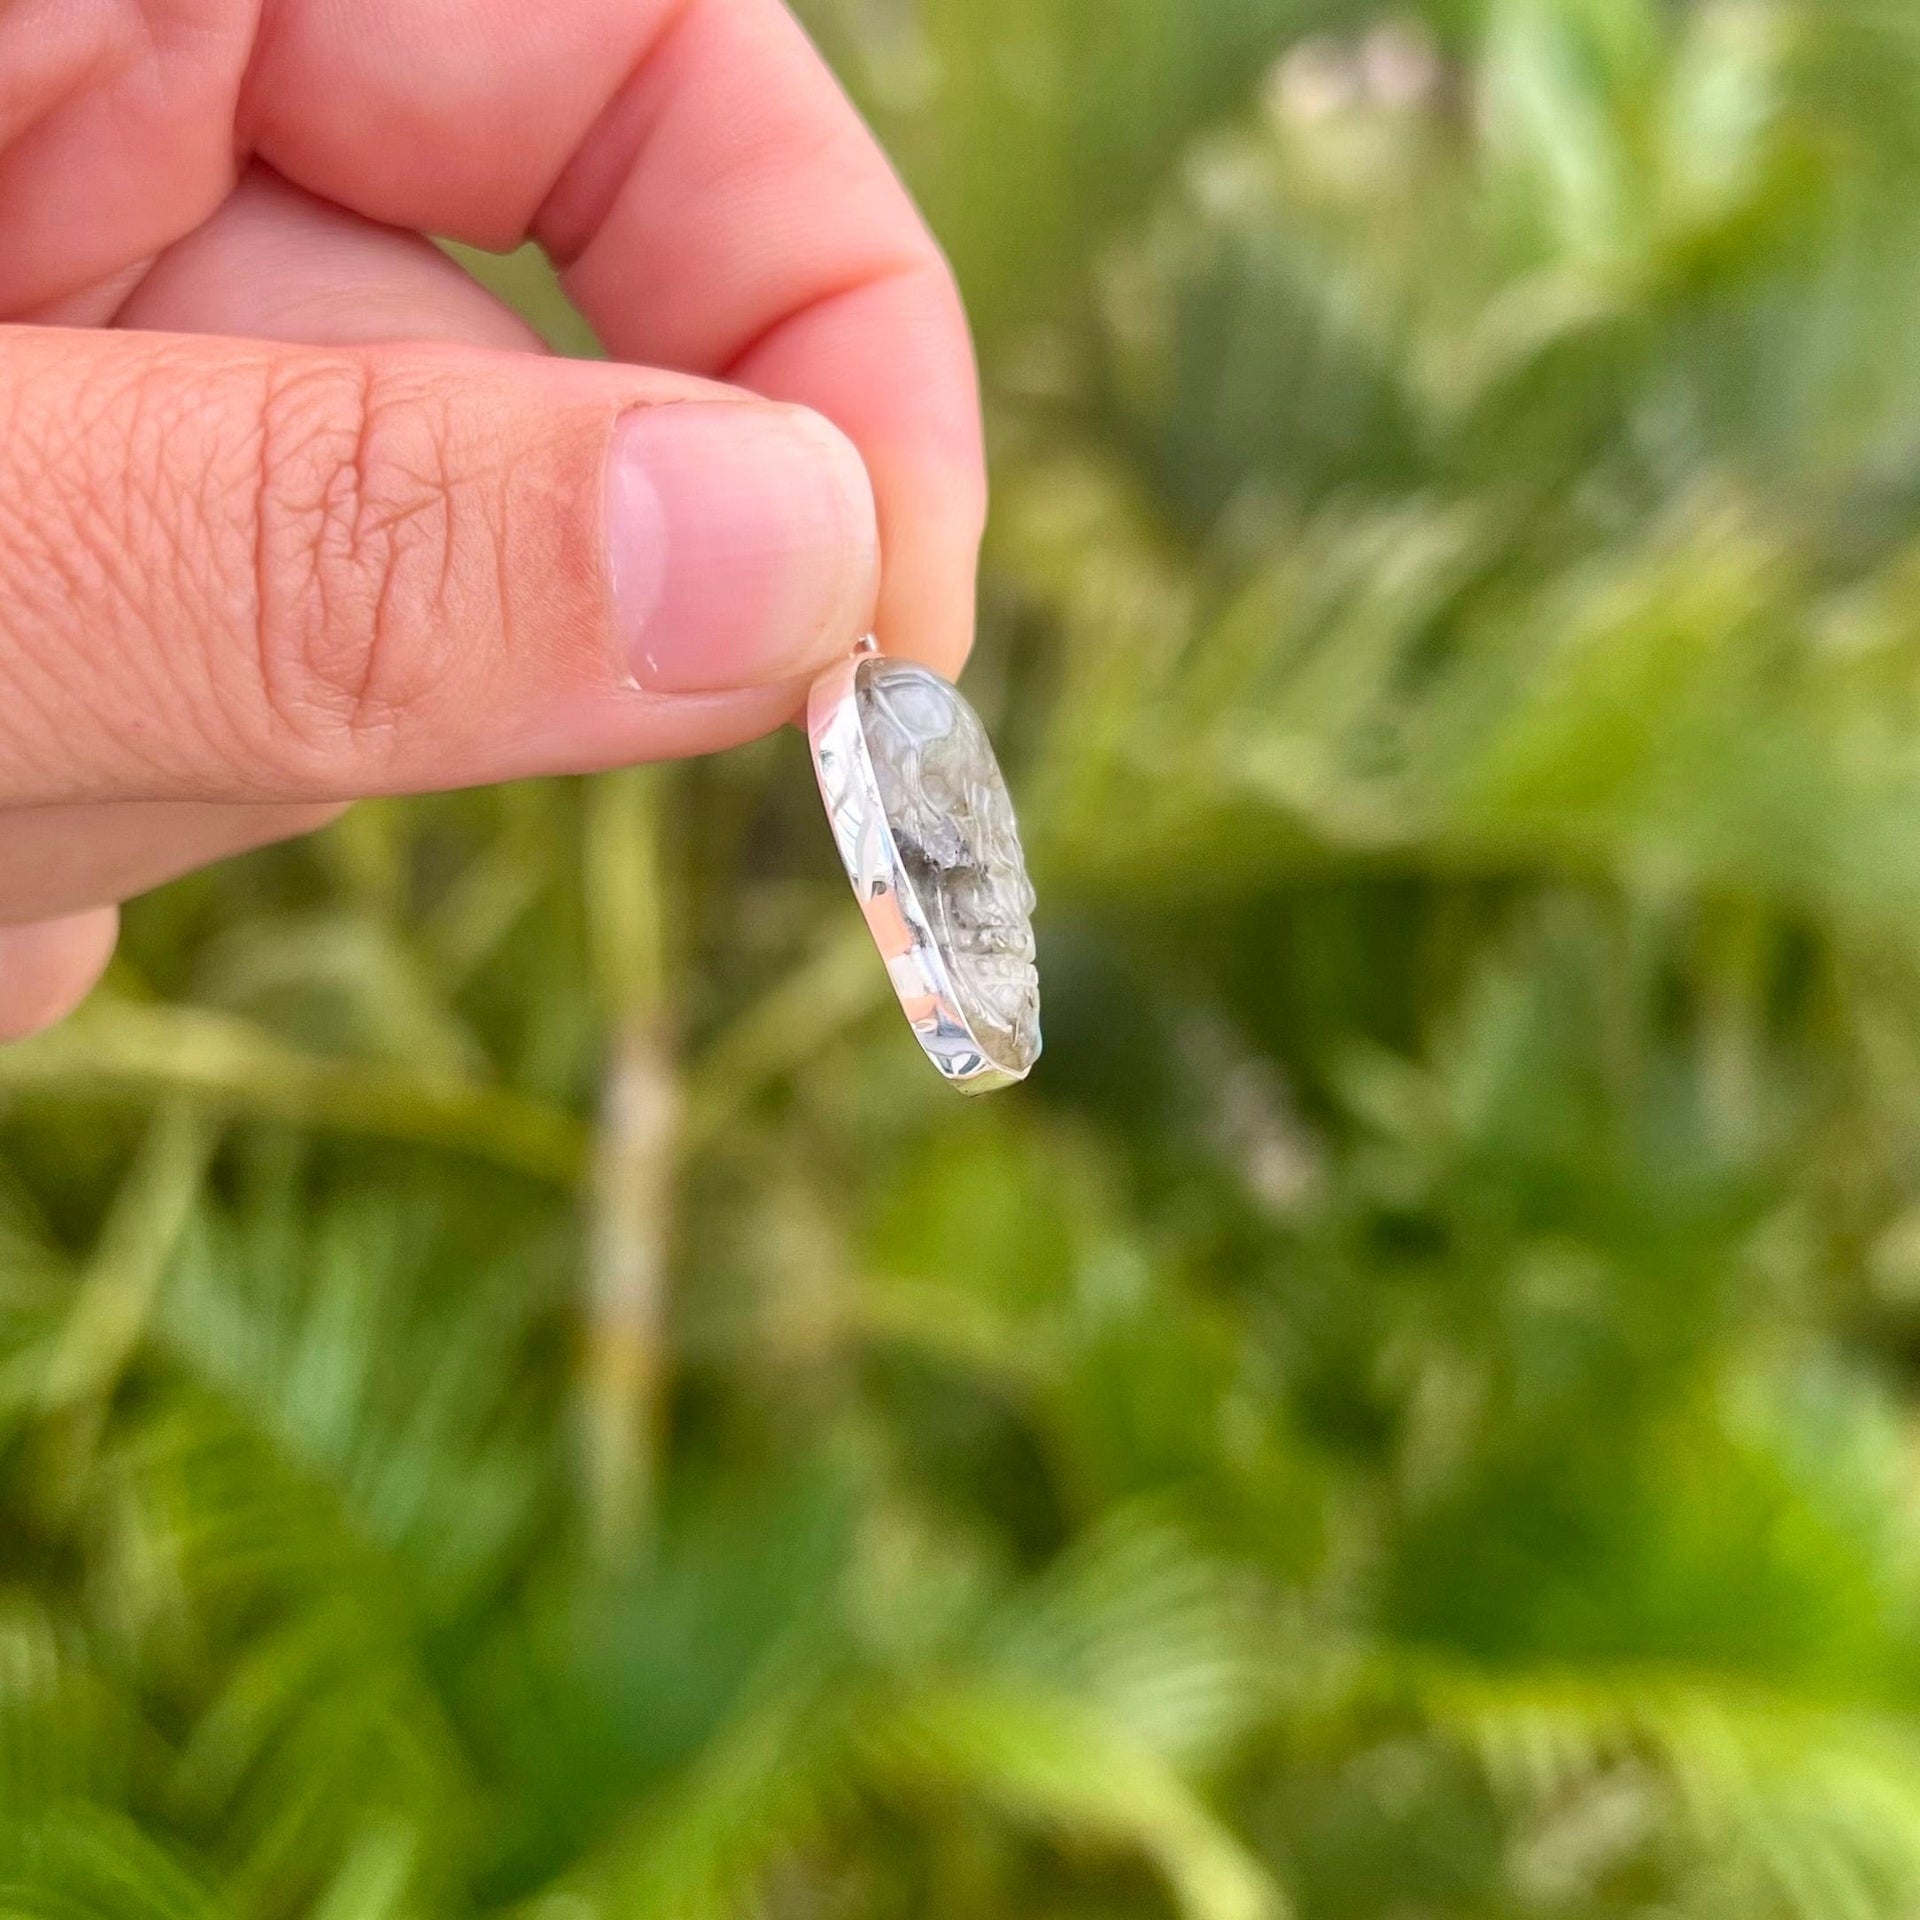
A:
<point x="952" y="821"/>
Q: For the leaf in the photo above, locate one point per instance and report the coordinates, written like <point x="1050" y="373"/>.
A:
<point x="1071" y="1771"/>
<point x="119" y="1050"/>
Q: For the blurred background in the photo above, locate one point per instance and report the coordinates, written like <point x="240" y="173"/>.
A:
<point x="520" y="1392"/>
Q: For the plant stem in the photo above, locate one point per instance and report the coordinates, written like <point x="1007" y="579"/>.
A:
<point x="635" y="1160"/>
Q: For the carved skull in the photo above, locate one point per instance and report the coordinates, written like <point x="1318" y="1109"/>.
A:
<point x="952" y="820"/>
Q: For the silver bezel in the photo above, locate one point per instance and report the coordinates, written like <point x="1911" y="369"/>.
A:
<point x="884" y="889"/>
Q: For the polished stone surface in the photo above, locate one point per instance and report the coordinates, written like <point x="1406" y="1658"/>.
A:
<point x="952" y="820"/>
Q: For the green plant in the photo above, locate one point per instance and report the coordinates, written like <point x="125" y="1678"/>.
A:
<point x="518" y="1391"/>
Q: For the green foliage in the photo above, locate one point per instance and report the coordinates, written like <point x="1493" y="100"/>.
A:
<point x="518" y="1393"/>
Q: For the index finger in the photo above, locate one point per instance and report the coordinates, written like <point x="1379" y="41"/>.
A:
<point x="714" y="202"/>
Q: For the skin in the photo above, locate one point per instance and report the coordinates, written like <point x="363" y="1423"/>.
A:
<point x="292" y="511"/>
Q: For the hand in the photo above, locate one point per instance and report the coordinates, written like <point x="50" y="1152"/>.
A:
<point x="291" y="511"/>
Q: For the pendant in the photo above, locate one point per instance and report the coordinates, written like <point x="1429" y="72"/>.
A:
<point x="925" y="828"/>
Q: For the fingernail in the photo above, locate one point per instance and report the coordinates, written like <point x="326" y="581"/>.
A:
<point x="741" y="544"/>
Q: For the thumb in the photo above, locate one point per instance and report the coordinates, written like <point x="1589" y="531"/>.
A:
<point x="232" y="570"/>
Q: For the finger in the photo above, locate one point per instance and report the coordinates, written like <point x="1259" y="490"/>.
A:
<point x="59" y="860"/>
<point x="716" y="202"/>
<point x="46" y="970"/>
<point x="722" y="208"/>
<point x="272" y="263"/>
<point x="116" y="137"/>
<point x="244" y="571"/>
<point x="275" y="263"/>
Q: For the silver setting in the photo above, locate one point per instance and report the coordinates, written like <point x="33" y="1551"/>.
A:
<point x="926" y="831"/>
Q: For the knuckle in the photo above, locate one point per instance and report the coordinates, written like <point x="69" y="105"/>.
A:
<point x="364" y="526"/>
<point x="264" y="572"/>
